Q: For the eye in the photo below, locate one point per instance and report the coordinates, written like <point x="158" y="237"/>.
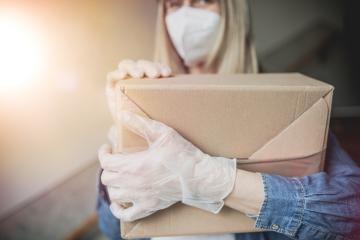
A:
<point x="203" y="3"/>
<point x="172" y="5"/>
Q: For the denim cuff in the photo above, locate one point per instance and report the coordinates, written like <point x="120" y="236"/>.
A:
<point x="283" y="208"/>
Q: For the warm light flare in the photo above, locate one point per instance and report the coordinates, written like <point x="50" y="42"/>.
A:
<point x="21" y="52"/>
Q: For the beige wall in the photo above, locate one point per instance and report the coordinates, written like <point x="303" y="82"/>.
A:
<point x="53" y="128"/>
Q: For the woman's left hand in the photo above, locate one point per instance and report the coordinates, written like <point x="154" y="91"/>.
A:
<point x="170" y="170"/>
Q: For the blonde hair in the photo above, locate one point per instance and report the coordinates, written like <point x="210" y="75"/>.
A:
<point x="233" y="51"/>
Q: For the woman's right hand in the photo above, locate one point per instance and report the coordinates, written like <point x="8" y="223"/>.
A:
<point x="142" y="69"/>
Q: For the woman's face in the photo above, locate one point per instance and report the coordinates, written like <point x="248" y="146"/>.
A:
<point x="173" y="5"/>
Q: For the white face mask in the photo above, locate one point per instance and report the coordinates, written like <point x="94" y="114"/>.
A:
<point x="193" y="32"/>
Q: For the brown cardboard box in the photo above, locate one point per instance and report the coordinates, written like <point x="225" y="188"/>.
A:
<point x="275" y="123"/>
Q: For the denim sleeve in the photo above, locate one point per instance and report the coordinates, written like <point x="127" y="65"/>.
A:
<point x="324" y="205"/>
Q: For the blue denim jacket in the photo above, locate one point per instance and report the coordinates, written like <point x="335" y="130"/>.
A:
<point x="324" y="205"/>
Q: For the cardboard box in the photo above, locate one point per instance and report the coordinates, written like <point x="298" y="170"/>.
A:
<point x="275" y="123"/>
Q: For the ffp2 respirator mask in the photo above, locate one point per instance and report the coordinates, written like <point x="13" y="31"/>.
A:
<point x="193" y="33"/>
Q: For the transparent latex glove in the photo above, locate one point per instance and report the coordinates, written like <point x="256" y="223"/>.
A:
<point x="133" y="69"/>
<point x="112" y="137"/>
<point x="170" y="170"/>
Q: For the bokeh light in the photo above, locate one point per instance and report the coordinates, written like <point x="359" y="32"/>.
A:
<point x="22" y="52"/>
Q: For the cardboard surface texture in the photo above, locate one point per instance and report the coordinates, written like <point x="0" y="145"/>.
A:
<point x="274" y="123"/>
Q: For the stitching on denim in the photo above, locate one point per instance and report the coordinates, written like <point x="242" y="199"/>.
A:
<point x="300" y="208"/>
<point x="258" y="222"/>
<point x="280" y="230"/>
<point x="301" y="204"/>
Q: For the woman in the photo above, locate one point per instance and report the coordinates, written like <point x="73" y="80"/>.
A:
<point x="214" y="37"/>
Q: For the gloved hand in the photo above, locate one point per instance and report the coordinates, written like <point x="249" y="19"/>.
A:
<point x="142" y="68"/>
<point x="170" y="170"/>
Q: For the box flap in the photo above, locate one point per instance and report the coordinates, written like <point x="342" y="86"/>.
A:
<point x="303" y="137"/>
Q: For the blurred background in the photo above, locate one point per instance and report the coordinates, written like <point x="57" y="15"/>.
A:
<point x="54" y="56"/>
